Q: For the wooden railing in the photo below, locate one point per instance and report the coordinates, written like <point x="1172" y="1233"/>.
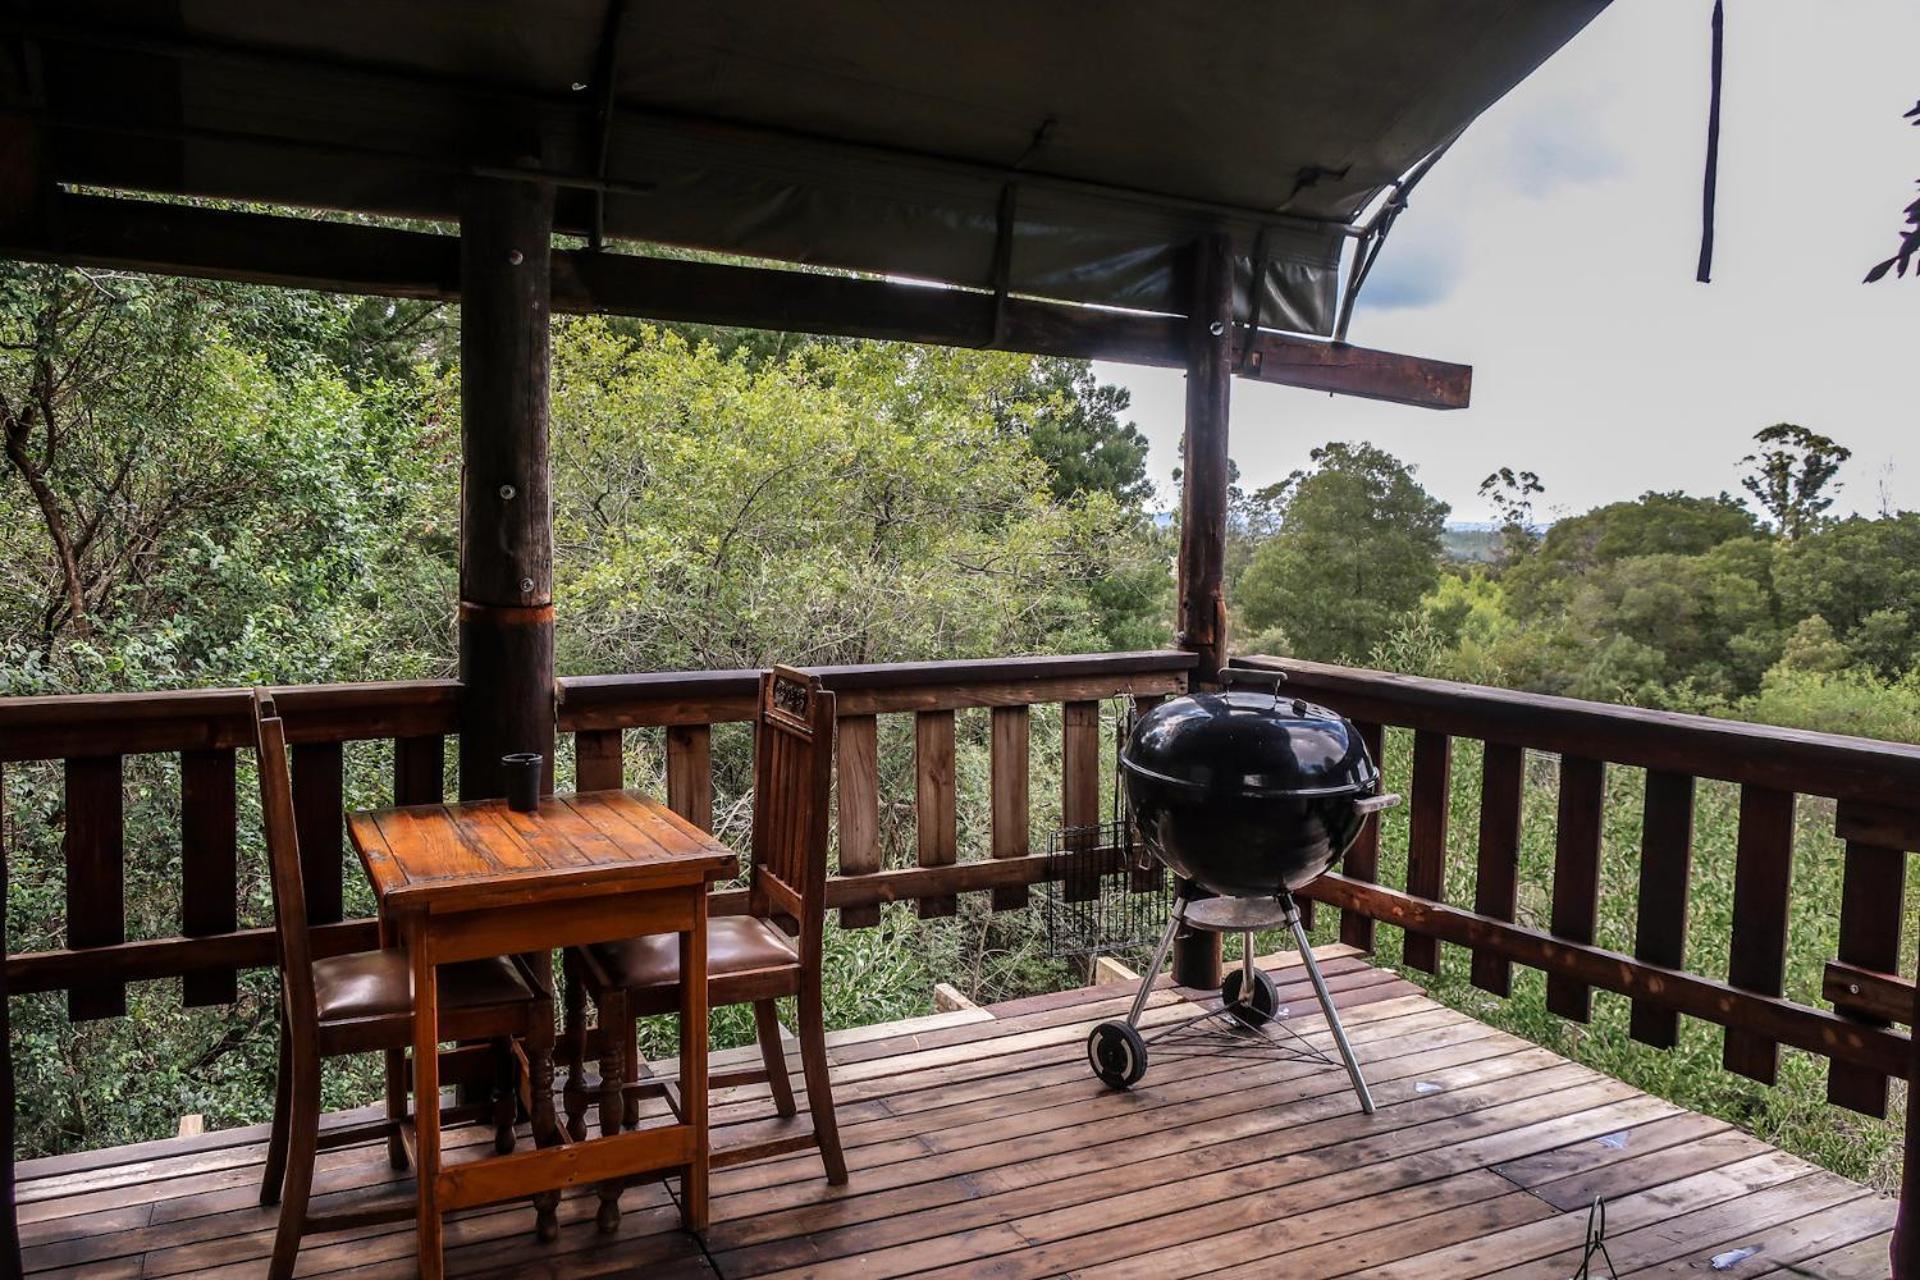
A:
<point x="1875" y="787"/>
<point x="91" y="738"/>
<point x="597" y="709"/>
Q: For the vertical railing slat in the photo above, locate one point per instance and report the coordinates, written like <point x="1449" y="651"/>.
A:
<point x="1872" y="892"/>
<point x="934" y="801"/>
<point x="1576" y="874"/>
<point x="319" y="817"/>
<point x="420" y="769"/>
<point x="1012" y="823"/>
<point x="1666" y="871"/>
<point x="1427" y="841"/>
<point x="1762" y="879"/>
<point x="857" y="765"/>
<point x="1497" y="865"/>
<point x="1363" y="858"/>
<point x="1148" y="875"/>
<point x="599" y="760"/>
<point x="690" y="773"/>
<point x="1080" y="788"/>
<point x="96" y="883"/>
<point x="209" y="866"/>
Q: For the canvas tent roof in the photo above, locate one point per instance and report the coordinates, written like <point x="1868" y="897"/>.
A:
<point x="874" y="135"/>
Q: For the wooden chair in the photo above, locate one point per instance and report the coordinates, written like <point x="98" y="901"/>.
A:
<point x="750" y="959"/>
<point x="358" y="1003"/>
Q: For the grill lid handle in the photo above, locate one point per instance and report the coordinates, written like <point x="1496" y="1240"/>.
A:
<point x="1271" y="680"/>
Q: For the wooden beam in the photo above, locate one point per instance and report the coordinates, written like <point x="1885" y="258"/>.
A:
<point x="506" y="524"/>
<point x="1203" y="519"/>
<point x="350" y="257"/>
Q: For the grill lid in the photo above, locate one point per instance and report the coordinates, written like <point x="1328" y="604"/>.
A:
<point x="1243" y="743"/>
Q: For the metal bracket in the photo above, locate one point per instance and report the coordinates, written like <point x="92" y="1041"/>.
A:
<point x="606" y="65"/>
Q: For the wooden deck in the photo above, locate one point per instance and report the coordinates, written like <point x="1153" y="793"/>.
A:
<point x="980" y="1145"/>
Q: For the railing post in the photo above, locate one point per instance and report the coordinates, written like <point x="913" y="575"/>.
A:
<point x="209" y="866"/>
<point x="1203" y="514"/>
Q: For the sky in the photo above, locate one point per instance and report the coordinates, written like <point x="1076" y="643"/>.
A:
<point x="1554" y="249"/>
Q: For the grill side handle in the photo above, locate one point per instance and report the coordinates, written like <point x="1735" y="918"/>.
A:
<point x="1376" y="804"/>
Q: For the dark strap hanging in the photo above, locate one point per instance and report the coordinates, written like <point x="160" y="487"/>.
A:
<point x="1705" y="271"/>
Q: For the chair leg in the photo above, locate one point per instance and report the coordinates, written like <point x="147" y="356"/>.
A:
<point x="576" y="1048"/>
<point x="506" y="1079"/>
<point x="303" y="1143"/>
<point x="275" y="1174"/>
<point x="813" y="1061"/>
<point x="773" y="1055"/>
<point x="630" y="1101"/>
<point x="397" y="1089"/>
<point x="613" y="1019"/>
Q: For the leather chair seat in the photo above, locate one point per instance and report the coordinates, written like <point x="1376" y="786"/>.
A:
<point x="735" y="944"/>
<point x="379" y="984"/>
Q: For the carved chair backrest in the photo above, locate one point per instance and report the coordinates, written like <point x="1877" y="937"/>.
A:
<point x="792" y="793"/>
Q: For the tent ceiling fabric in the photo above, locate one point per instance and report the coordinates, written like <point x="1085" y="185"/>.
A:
<point x="873" y="135"/>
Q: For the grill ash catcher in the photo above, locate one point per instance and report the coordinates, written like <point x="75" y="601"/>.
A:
<point x="1246" y="795"/>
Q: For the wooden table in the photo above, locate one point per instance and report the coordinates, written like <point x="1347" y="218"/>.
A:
<point x="473" y="880"/>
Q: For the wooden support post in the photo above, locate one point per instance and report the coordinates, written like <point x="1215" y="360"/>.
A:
<point x="9" y="1222"/>
<point x="506" y="528"/>
<point x="1203" y="516"/>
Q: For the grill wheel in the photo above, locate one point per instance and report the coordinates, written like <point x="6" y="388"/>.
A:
<point x="1117" y="1054"/>
<point x="1258" y="1011"/>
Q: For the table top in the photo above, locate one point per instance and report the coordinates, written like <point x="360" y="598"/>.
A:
<point x="457" y="856"/>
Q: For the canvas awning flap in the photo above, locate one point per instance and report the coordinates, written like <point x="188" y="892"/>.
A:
<point x="872" y="135"/>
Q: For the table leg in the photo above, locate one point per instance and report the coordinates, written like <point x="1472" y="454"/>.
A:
<point x="426" y="1096"/>
<point x="693" y="1062"/>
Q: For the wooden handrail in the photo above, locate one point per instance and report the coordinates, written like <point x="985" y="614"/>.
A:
<point x="69" y="726"/>
<point x="717" y="697"/>
<point x="1800" y="760"/>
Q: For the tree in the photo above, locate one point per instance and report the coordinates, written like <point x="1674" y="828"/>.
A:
<point x="855" y="502"/>
<point x="1652" y="524"/>
<point x="1358" y="546"/>
<point x="1075" y="424"/>
<point x="1511" y="494"/>
<point x="1790" y="475"/>
<point x="1863" y="577"/>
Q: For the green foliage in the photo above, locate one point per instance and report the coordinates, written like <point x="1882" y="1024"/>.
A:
<point x="1512" y="493"/>
<point x="1791" y="474"/>
<point x="1863" y="577"/>
<point x="1652" y="524"/>
<point x="1358" y="546"/>
<point x="850" y="503"/>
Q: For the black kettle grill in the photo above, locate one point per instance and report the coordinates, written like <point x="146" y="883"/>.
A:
<point x="1246" y="794"/>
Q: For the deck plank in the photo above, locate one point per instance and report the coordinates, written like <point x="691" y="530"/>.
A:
<point x="981" y="1145"/>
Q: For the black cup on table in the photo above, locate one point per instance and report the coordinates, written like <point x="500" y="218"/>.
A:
<point x="520" y="771"/>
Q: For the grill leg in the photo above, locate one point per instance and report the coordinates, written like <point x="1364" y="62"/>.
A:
<point x="1159" y="958"/>
<point x="1326" y="1006"/>
<point x="1246" y="968"/>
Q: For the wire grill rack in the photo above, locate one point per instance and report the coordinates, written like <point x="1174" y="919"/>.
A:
<point x="1104" y="892"/>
